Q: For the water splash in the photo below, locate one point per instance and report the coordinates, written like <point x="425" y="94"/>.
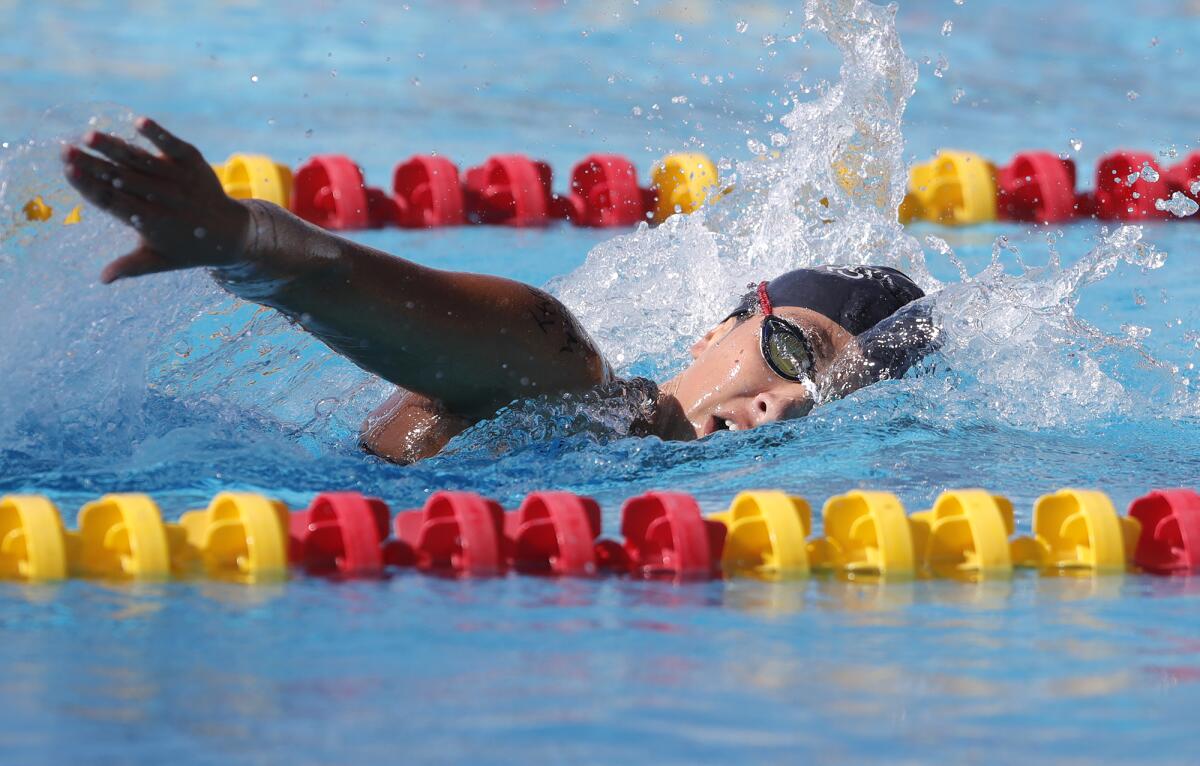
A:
<point x="1015" y="350"/>
<point x="828" y="195"/>
<point x="93" y="370"/>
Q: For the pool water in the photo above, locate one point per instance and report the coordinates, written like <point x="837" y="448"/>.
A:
<point x="1070" y="361"/>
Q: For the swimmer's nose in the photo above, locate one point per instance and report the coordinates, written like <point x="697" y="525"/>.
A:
<point x="768" y="407"/>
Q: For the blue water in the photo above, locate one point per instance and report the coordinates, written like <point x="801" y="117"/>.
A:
<point x="165" y="386"/>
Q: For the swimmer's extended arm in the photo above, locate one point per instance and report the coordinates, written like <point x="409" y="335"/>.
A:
<point x="472" y="342"/>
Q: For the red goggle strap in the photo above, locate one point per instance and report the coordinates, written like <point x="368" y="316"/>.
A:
<point x="764" y="301"/>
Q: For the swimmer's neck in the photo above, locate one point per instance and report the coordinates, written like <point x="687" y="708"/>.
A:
<point x="670" y="421"/>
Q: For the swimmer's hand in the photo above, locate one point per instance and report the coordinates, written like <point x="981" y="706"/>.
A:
<point x="173" y="199"/>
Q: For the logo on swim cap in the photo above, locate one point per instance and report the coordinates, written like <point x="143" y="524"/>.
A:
<point x="862" y="272"/>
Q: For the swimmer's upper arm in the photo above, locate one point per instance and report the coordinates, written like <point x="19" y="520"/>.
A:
<point x="472" y="342"/>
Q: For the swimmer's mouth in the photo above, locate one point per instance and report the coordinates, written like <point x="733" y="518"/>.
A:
<point x="717" y="423"/>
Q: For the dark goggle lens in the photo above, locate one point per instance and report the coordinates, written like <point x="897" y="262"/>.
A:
<point x="787" y="352"/>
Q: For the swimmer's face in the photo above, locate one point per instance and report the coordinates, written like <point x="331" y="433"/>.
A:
<point x="729" y="386"/>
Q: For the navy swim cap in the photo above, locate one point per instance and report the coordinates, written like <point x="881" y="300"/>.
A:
<point x="856" y="297"/>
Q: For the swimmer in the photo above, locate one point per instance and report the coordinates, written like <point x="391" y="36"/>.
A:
<point x="460" y="347"/>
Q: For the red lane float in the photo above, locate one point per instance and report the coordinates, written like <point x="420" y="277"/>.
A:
<point x="665" y="536"/>
<point x="329" y="191"/>
<point x="1037" y="187"/>
<point x="340" y="533"/>
<point x="1170" y="538"/>
<point x="427" y="193"/>
<point x="509" y="190"/>
<point x="1122" y="191"/>
<point x="455" y="532"/>
<point x="555" y="533"/>
<point x="604" y="193"/>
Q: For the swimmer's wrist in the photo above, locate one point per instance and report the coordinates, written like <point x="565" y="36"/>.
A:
<point x="243" y="275"/>
<point x="258" y="272"/>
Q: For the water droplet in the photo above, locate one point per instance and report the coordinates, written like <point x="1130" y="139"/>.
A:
<point x="958" y="95"/>
<point x="1132" y="95"/>
<point x="768" y="40"/>
<point x="308" y="133"/>
<point x="117" y="183"/>
<point x="637" y="111"/>
<point x="942" y="66"/>
<point x="779" y="139"/>
<point x="1076" y="144"/>
<point x="135" y="221"/>
<point x="1149" y="173"/>
<point x="1179" y="205"/>
<point x="253" y="78"/>
<point x="333" y="73"/>
<point x="1153" y="42"/>
<point x="742" y="26"/>
<point x="947" y="27"/>
<point x="416" y="81"/>
<point x="199" y="232"/>
<point x="1195" y="188"/>
<point x="678" y="37"/>
<point x="678" y="99"/>
<point x="756" y="147"/>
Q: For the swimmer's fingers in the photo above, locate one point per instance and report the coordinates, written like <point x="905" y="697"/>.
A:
<point x="95" y="184"/>
<point x="142" y="261"/>
<point x="154" y="190"/>
<point x="172" y="147"/>
<point x="122" y="152"/>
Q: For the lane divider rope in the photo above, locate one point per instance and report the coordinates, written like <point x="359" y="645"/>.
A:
<point x="955" y="188"/>
<point x="967" y="535"/>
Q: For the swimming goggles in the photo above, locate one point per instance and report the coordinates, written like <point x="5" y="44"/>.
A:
<point x="785" y="347"/>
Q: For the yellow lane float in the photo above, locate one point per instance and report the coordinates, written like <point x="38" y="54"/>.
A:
<point x="956" y="188"/>
<point x="33" y="542"/>
<point x="682" y="183"/>
<point x="965" y="536"/>
<point x="766" y="535"/>
<point x="1077" y="531"/>
<point x="867" y="535"/>
<point x="123" y="536"/>
<point x="240" y="536"/>
<point x="256" y="176"/>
